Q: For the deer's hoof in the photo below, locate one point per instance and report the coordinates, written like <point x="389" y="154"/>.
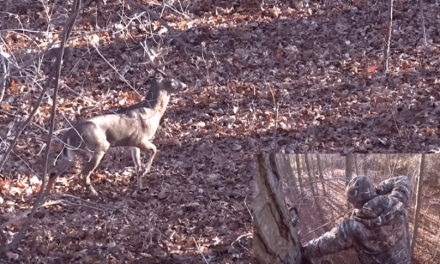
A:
<point x="95" y="193"/>
<point x="141" y="186"/>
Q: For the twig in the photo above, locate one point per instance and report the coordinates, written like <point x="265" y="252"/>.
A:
<point x="425" y="42"/>
<point x="114" y="68"/>
<point x="64" y="36"/>
<point x="389" y="31"/>
<point x="6" y="74"/>
<point x="174" y="33"/>
<point x="20" y="158"/>
<point x="4" y="237"/>
<point x="201" y="253"/>
<point x="436" y="250"/>
<point x="26" y="123"/>
<point x="275" y="143"/>
<point x="240" y="237"/>
<point x="25" y="213"/>
<point x="84" y="205"/>
<point x="84" y="201"/>
<point x="275" y="106"/>
<point x="247" y="207"/>
<point x="28" y="62"/>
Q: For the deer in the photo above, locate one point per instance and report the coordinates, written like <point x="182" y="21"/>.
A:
<point x="132" y="127"/>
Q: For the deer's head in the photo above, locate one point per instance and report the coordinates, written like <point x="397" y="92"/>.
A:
<point x="168" y="83"/>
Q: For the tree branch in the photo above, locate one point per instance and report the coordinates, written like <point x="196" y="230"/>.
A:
<point x="174" y="33"/>
<point x="65" y="35"/>
<point x="389" y="33"/>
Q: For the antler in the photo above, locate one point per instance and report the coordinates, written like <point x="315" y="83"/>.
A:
<point x="154" y="56"/>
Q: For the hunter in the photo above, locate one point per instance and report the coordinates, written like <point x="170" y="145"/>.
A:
<point x="378" y="229"/>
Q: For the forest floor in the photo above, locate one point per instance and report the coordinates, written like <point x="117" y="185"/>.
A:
<point x="322" y="63"/>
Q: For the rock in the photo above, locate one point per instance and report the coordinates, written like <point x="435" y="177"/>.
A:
<point x="11" y="256"/>
<point x="235" y="147"/>
<point x="162" y="195"/>
<point x="192" y="206"/>
<point x="213" y="177"/>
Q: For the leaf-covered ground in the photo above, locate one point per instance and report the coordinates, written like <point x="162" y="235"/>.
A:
<point x="321" y="62"/>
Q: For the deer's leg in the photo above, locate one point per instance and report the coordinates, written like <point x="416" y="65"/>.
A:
<point x="66" y="161"/>
<point x="136" y="156"/>
<point x="90" y="167"/>
<point x="146" y="145"/>
<point x="149" y="146"/>
<point x="61" y="168"/>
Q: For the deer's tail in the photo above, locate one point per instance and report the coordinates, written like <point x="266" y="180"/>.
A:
<point x="72" y="141"/>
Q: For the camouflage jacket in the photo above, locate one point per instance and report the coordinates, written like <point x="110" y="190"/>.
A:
<point x="379" y="232"/>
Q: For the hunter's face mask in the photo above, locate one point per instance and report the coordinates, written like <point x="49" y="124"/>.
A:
<point x="359" y="191"/>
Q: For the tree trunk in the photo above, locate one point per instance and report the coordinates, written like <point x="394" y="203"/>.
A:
<point x="390" y="165"/>
<point x="418" y="202"/>
<point x="306" y="159"/>
<point x="348" y="171"/>
<point x="321" y="175"/>
<point x="389" y="33"/>
<point x="356" y="164"/>
<point x="366" y="165"/>
<point x="298" y="168"/>
<point x="275" y="239"/>
<point x="289" y="169"/>
<point x="315" y="194"/>
<point x="312" y="166"/>
<point x="348" y="168"/>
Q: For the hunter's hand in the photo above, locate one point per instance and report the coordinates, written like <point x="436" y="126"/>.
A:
<point x="303" y="251"/>
<point x="305" y="256"/>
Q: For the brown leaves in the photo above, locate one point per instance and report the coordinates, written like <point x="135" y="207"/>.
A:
<point x="128" y="99"/>
<point x="5" y="106"/>
<point x="56" y="145"/>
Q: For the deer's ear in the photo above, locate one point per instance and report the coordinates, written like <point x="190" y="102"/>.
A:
<point x="158" y="77"/>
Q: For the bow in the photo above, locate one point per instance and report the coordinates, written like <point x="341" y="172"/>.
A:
<point x="305" y="254"/>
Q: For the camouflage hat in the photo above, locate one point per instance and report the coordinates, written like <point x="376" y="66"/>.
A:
<point x="360" y="190"/>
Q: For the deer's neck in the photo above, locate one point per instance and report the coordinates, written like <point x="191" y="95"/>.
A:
<point x="157" y="100"/>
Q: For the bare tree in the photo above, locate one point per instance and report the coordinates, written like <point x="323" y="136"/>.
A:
<point x="418" y="201"/>
<point x="422" y="13"/>
<point x="54" y="76"/>
<point x="285" y="165"/>
<point x="314" y="192"/>
<point x="275" y="239"/>
<point x="389" y="30"/>
<point x="298" y="168"/>
<point x="309" y="174"/>
<point x="321" y="175"/>
<point x="348" y="168"/>
<point x="348" y="171"/>
<point x="365" y="165"/>
<point x="356" y="164"/>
